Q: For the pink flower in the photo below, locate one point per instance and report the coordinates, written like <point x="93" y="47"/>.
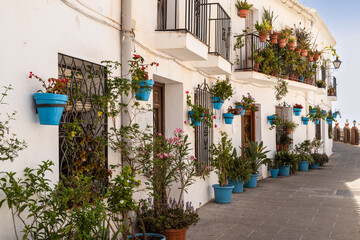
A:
<point x="185" y="122"/>
<point x="187" y="92"/>
<point x="165" y="154"/>
<point x="204" y="111"/>
<point x="215" y="126"/>
<point x="214" y="117"/>
<point x="205" y="117"/>
<point x="161" y="156"/>
<point x="193" y="157"/>
<point x="158" y="154"/>
<point x="171" y="155"/>
<point x="176" y="138"/>
<point x="208" y="168"/>
<point x="84" y="160"/>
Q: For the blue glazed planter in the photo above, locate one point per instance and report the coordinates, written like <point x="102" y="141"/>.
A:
<point x="50" y="107"/>
<point x="304" y="166"/>
<point x="252" y="182"/>
<point x="242" y="110"/>
<point x="238" y="185"/>
<point x="145" y="89"/>
<point x="271" y="119"/>
<point x="305" y="120"/>
<point x="301" y="78"/>
<point x="223" y="194"/>
<point x="316" y="121"/>
<point x="284" y="170"/>
<point x="274" y="172"/>
<point x="297" y="111"/>
<point x="328" y="121"/>
<point x="196" y="123"/>
<point x="314" y="165"/>
<point x="148" y="234"/>
<point x="335" y="115"/>
<point x="323" y="113"/>
<point x="228" y="118"/>
<point x="313" y="112"/>
<point x="218" y="102"/>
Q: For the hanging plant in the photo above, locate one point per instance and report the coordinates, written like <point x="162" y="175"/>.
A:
<point x="247" y="103"/>
<point x="281" y="89"/>
<point x="243" y="7"/>
<point x="221" y="91"/>
<point x="199" y="114"/>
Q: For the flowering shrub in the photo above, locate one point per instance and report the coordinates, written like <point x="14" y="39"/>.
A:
<point x="248" y="102"/>
<point x="235" y="111"/>
<point x="222" y="89"/>
<point x="200" y="113"/>
<point x="57" y="86"/>
<point x="138" y="68"/>
<point x="298" y="106"/>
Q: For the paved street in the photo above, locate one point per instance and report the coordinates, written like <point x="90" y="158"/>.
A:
<point x="319" y="204"/>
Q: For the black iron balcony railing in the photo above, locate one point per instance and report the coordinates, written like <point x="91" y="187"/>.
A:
<point x="247" y="55"/>
<point x="207" y="21"/>
<point x="332" y="90"/>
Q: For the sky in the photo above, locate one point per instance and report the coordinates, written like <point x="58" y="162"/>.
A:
<point x="342" y="18"/>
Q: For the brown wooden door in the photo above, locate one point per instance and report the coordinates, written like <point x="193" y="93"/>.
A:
<point x="158" y="106"/>
<point x="247" y="128"/>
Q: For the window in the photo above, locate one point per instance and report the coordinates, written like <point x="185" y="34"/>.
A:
<point x="203" y="134"/>
<point x="83" y="127"/>
<point x="284" y="140"/>
<point x="318" y="131"/>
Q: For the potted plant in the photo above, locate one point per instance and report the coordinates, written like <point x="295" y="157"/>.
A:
<point x="303" y="155"/>
<point x="283" y="36"/>
<point x="199" y="114"/>
<point x="317" y="55"/>
<point x="291" y="42"/>
<point x="263" y="29"/>
<point x="236" y="111"/>
<point x="258" y="58"/>
<point x="239" y="172"/>
<point x="305" y="120"/>
<point x="243" y="7"/>
<point x="285" y="160"/>
<point x="319" y="160"/>
<point x="331" y="91"/>
<point x="272" y="119"/>
<point x="141" y="84"/>
<point x="247" y="103"/>
<point x="310" y="55"/>
<point x="274" y="37"/>
<point x="221" y="157"/>
<point x="50" y="104"/>
<point x="255" y="154"/>
<point x="330" y="118"/>
<point x="229" y="116"/>
<point x="336" y="113"/>
<point x="221" y="91"/>
<point x="320" y="83"/>
<point x="274" y="169"/>
<point x="297" y="109"/>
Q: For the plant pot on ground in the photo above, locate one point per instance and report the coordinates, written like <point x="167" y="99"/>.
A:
<point x="255" y="154"/>
<point x="286" y="161"/>
<point x="239" y="172"/>
<point x="221" y="158"/>
<point x="274" y="169"/>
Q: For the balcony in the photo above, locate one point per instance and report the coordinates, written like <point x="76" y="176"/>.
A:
<point x="195" y="30"/>
<point x="250" y="48"/>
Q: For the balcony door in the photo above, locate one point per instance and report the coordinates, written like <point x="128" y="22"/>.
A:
<point x="158" y="107"/>
<point x="247" y="128"/>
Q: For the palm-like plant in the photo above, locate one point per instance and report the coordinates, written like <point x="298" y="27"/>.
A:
<point x="239" y="168"/>
<point x="255" y="154"/>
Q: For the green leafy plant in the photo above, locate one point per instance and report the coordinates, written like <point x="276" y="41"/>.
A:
<point x="281" y="89"/>
<point x="255" y="154"/>
<point x="303" y="37"/>
<point x="263" y="27"/>
<point x="222" y="89"/>
<point x="248" y="102"/>
<point x="268" y="16"/>
<point x="285" y="33"/>
<point x="221" y="157"/>
<point x="139" y="70"/>
<point x="304" y="151"/>
<point x="319" y="158"/>
<point x="243" y="5"/>
<point x="56" y="86"/>
<point x="200" y="113"/>
<point x="239" y="168"/>
<point x="10" y="145"/>
<point x="284" y="158"/>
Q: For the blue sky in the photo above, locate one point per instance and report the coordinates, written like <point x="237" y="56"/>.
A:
<point x="342" y="18"/>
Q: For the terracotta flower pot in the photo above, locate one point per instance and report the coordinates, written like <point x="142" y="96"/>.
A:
<point x="336" y="124"/>
<point x="282" y="42"/>
<point x="256" y="66"/>
<point x="291" y="46"/>
<point x="263" y="37"/>
<point x="304" y="52"/>
<point x="288" y="131"/>
<point x="298" y="50"/>
<point x="243" y="13"/>
<point x="316" y="57"/>
<point x="347" y="124"/>
<point x="311" y="58"/>
<point x="273" y="38"/>
<point x="175" y="234"/>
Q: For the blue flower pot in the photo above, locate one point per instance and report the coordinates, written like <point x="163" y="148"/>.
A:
<point x="274" y="172"/>
<point x="313" y="112"/>
<point x="304" y="166"/>
<point x="301" y="78"/>
<point x="228" y="118"/>
<point x="335" y="115"/>
<point x="242" y="110"/>
<point x="50" y="107"/>
<point x="297" y="111"/>
<point x="148" y="234"/>
<point x="316" y="121"/>
<point x="305" y="120"/>
<point x="314" y="165"/>
<point x="323" y="113"/>
<point x="218" y="102"/>
<point x="328" y="121"/>
<point x="196" y="123"/>
<point x="143" y="93"/>
<point x="252" y="182"/>
<point x="271" y="119"/>
<point x="238" y="185"/>
<point x="223" y="194"/>
<point x="284" y="170"/>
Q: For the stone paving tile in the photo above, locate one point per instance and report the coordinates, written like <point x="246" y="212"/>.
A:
<point x="315" y="205"/>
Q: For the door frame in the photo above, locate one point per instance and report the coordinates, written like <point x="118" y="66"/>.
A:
<point x="252" y="115"/>
<point x="162" y="108"/>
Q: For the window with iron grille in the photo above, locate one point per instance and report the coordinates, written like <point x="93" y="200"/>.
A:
<point x="83" y="127"/>
<point x="203" y="133"/>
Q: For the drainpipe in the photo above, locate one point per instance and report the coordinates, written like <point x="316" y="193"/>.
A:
<point x="126" y="46"/>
